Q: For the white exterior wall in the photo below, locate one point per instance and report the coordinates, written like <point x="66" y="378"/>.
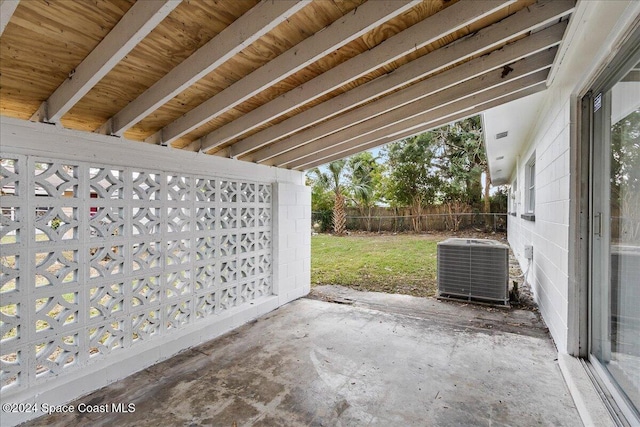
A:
<point x="549" y="234"/>
<point x="594" y="33"/>
<point x="285" y="274"/>
<point x="292" y="245"/>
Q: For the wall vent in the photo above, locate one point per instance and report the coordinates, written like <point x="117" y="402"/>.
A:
<point x="473" y="270"/>
<point x="502" y="135"/>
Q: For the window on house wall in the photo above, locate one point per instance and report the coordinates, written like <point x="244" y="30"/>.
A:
<point x="530" y="189"/>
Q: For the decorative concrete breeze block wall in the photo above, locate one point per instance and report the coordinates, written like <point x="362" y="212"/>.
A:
<point x="116" y="255"/>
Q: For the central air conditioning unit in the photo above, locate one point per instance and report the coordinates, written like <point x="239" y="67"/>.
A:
<point x="473" y="270"/>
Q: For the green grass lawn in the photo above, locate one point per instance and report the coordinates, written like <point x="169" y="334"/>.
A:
<point x="404" y="264"/>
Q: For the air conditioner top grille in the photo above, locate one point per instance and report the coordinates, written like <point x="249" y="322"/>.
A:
<point x="459" y="241"/>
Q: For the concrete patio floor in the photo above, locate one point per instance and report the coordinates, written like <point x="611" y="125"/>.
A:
<point x="370" y="359"/>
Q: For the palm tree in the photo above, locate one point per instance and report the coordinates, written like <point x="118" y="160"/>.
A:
<point x="331" y="181"/>
<point x="362" y="168"/>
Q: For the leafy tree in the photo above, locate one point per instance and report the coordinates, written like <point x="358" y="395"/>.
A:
<point x="364" y="174"/>
<point x="461" y="158"/>
<point x="499" y="201"/>
<point x="411" y="180"/>
<point x="443" y="165"/>
<point x="332" y="180"/>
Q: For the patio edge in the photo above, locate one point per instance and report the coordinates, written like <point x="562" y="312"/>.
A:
<point x="589" y="404"/>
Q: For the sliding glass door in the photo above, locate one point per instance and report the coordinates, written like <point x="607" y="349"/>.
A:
<point x="615" y="242"/>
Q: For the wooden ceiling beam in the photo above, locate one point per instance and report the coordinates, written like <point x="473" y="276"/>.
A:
<point x="258" y="21"/>
<point x="7" y="7"/>
<point x="464" y="113"/>
<point x="429" y="30"/>
<point x="414" y="113"/>
<point x="424" y="92"/>
<point x="430" y="119"/>
<point x="348" y="28"/>
<point x="134" y="26"/>
<point x="522" y="22"/>
<point x="378" y="128"/>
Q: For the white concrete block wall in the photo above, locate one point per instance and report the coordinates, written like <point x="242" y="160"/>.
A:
<point x="549" y="234"/>
<point x="292" y="244"/>
<point x="289" y="229"/>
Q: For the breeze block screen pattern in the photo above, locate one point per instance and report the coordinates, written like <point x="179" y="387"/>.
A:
<point x="97" y="259"/>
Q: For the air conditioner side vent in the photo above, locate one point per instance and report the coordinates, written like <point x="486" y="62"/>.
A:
<point x="473" y="270"/>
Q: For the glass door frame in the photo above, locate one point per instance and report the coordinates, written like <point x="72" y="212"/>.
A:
<point x="596" y="117"/>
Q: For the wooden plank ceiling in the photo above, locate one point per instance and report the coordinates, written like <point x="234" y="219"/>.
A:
<point x="286" y="83"/>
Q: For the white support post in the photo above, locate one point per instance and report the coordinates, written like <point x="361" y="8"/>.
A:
<point x="291" y="241"/>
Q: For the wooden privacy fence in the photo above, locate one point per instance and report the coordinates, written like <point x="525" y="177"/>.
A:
<point x="416" y="223"/>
